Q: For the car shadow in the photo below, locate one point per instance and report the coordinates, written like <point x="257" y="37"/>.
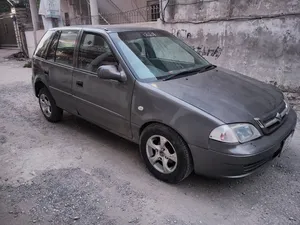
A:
<point x="194" y="185"/>
<point x="114" y="142"/>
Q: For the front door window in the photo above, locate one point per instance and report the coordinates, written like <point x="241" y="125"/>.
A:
<point x="94" y="51"/>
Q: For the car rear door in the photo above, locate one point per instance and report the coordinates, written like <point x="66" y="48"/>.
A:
<point x="39" y="63"/>
<point x="61" y="63"/>
<point x="103" y="102"/>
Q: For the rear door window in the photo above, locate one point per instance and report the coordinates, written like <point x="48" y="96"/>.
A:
<point x="65" y="47"/>
<point x="42" y="46"/>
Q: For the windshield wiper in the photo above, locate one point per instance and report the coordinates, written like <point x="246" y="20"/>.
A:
<point x="207" y="67"/>
<point x="199" y="70"/>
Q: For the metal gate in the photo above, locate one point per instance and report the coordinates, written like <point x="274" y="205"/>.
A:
<point x="7" y="31"/>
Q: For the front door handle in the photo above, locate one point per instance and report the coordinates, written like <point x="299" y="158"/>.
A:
<point x="79" y="83"/>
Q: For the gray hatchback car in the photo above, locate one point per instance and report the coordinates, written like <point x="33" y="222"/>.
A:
<point x="151" y="88"/>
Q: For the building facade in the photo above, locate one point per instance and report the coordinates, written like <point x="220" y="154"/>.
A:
<point x="258" y="38"/>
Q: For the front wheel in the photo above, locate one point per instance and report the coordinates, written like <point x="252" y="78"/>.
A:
<point x="165" y="153"/>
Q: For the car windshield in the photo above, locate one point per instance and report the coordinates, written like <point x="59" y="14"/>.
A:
<point x="155" y="55"/>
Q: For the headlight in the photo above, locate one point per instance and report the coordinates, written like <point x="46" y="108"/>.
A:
<point x="287" y="105"/>
<point x="235" y="133"/>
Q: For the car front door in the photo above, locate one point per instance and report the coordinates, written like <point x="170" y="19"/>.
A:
<point x="60" y="59"/>
<point x="103" y="102"/>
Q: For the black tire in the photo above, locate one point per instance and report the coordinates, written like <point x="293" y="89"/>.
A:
<point x="184" y="159"/>
<point x="56" y="112"/>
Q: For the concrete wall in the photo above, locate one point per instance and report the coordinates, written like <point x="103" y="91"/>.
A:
<point x="259" y="38"/>
<point x="124" y="5"/>
<point x="200" y="10"/>
<point x="124" y="11"/>
<point x="77" y="10"/>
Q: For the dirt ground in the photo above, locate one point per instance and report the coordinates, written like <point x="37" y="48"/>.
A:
<point x="76" y="173"/>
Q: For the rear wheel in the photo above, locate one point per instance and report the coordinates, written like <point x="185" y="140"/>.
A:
<point x="165" y="153"/>
<point x="48" y="106"/>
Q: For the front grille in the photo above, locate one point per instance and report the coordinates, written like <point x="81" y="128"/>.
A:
<point x="271" y="115"/>
<point x="273" y="120"/>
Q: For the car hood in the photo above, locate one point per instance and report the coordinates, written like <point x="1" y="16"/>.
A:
<point x="226" y="95"/>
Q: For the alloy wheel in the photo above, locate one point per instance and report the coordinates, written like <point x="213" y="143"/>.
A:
<point x="161" y="154"/>
<point x="45" y="105"/>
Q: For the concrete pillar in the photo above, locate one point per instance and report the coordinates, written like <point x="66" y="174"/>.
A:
<point x="166" y="7"/>
<point x="94" y="12"/>
<point x="35" y="18"/>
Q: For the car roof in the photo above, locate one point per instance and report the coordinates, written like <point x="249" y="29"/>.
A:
<point x="107" y="28"/>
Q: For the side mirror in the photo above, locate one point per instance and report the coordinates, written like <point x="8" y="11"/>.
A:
<point x="110" y="72"/>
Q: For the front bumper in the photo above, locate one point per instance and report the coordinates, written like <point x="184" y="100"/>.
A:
<point x="234" y="161"/>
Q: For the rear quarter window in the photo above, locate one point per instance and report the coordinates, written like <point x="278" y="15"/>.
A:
<point x="42" y="46"/>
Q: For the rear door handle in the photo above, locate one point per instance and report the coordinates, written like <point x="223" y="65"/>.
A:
<point x="46" y="72"/>
<point x="79" y="83"/>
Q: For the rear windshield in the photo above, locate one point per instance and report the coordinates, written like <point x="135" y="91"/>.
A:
<point x="154" y="55"/>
